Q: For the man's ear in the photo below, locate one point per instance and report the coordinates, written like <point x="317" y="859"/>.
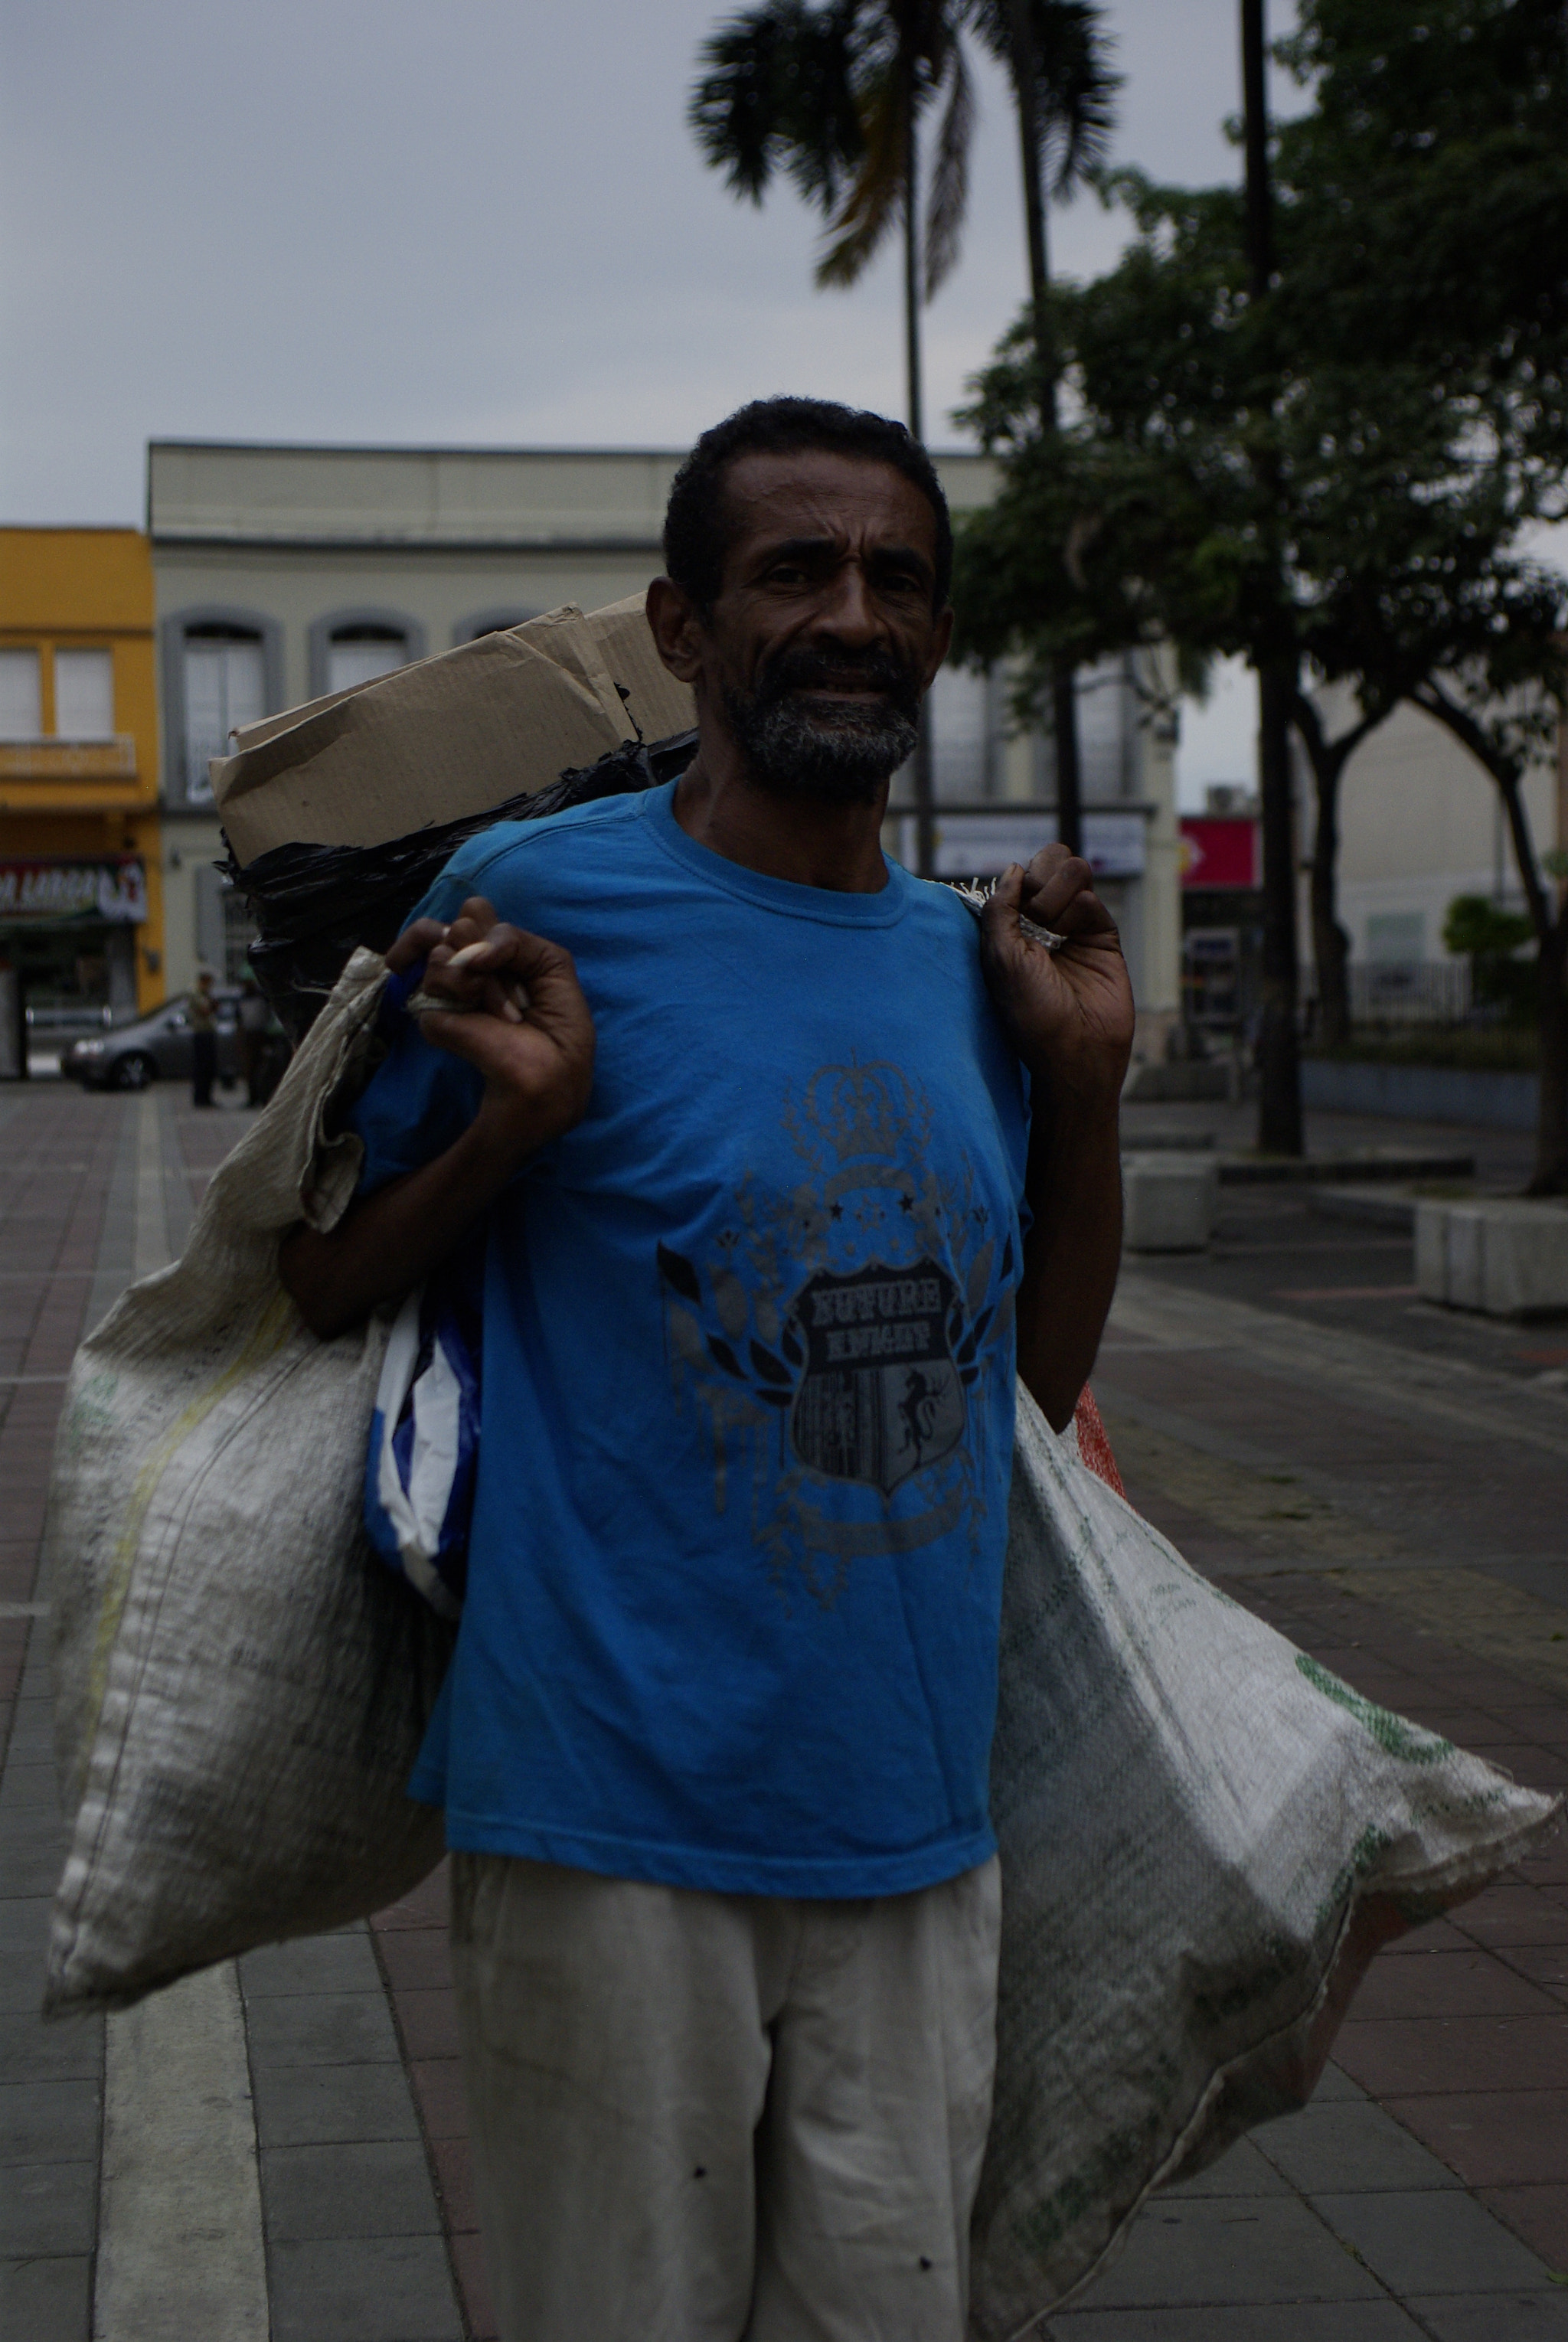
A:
<point x="941" y="638"/>
<point x="674" y="625"/>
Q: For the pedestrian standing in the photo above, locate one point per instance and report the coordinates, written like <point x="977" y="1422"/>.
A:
<point x="202" y="1015"/>
<point x="783" y="1164"/>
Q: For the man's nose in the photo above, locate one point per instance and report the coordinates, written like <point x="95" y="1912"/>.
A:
<point x="849" y="609"/>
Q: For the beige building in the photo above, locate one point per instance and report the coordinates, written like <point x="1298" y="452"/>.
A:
<point x="282" y="573"/>
<point x="1421" y="823"/>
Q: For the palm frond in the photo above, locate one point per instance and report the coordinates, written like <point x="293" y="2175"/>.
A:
<point x="776" y="92"/>
<point x="875" y="200"/>
<point x="950" y="174"/>
<point x="1076" y="85"/>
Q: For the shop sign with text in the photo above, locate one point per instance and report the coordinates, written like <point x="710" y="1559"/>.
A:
<point x="48" y="892"/>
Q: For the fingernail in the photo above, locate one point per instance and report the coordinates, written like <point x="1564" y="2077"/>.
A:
<point x="469" y="950"/>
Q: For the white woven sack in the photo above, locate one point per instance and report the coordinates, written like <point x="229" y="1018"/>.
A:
<point x="1205" y="1836"/>
<point x="241" y="1685"/>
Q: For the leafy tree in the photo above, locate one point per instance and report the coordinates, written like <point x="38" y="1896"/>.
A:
<point x="1434" y="164"/>
<point x="1491" y="939"/>
<point x="1150" y="515"/>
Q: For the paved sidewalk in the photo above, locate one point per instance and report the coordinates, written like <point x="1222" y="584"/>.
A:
<point x="1388" y="1487"/>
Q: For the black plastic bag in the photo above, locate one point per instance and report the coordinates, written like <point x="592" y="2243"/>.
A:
<point x="313" y="905"/>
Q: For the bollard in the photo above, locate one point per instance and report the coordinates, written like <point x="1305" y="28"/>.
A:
<point x="1169" y="1202"/>
<point x="1503" y="1256"/>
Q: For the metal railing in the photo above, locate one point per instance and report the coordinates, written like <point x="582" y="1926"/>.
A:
<point x="1415" y="992"/>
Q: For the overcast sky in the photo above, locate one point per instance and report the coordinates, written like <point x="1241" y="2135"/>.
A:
<point x="483" y="221"/>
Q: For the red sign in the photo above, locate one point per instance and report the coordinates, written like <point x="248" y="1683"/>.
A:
<point x="1219" y="850"/>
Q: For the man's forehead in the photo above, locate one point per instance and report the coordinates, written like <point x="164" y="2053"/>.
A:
<point x="819" y="492"/>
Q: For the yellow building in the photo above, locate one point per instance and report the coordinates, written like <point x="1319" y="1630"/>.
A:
<point x="81" y="886"/>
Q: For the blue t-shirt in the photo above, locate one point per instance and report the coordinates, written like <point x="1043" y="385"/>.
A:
<point x="734" y="1575"/>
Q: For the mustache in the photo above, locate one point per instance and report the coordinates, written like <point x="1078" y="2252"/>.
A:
<point x="804" y="669"/>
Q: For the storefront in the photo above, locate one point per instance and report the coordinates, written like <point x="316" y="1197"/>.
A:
<point x="69" y="936"/>
<point x="1222" y="923"/>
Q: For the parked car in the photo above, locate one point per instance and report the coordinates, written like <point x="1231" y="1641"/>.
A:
<point x="129" y="1056"/>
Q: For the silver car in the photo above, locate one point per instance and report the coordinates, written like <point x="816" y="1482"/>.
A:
<point x="157" y="1046"/>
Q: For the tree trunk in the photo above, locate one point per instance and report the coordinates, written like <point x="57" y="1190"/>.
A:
<point x="1064" y="688"/>
<point x="925" y="776"/>
<point x="1069" y="772"/>
<point x="1279" y="1051"/>
<point x="1330" y="942"/>
<point x="1550" y="1177"/>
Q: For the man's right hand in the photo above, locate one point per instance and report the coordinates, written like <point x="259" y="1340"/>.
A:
<point x="518" y="1014"/>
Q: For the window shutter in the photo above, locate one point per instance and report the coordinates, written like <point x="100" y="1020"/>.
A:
<point x="20" y="707"/>
<point x="84" y="695"/>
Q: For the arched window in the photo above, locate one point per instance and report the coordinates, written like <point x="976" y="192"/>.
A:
<point x="223" y="669"/>
<point x="359" y="653"/>
<point x="352" y="647"/>
<point x="225" y="688"/>
<point x="499" y="621"/>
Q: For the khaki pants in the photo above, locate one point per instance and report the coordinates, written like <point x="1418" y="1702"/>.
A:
<point x="724" y="2118"/>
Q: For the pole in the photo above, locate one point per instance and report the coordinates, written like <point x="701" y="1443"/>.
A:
<point x="1279" y="1055"/>
<point x="1063" y="687"/>
<point x="925" y="790"/>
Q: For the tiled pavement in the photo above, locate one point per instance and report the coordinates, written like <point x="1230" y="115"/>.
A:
<point x="1424" y="2192"/>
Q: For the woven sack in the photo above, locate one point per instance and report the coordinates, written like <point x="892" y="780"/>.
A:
<point x="1205" y="1838"/>
<point x="1203" y="1835"/>
<point x="241" y="1685"/>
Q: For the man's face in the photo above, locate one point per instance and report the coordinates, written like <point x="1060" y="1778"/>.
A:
<point x="823" y="637"/>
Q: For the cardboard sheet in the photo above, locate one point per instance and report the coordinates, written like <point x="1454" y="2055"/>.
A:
<point x="449" y="735"/>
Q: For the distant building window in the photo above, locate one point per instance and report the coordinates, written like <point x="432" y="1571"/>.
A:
<point x="962" y="746"/>
<point x="84" y="695"/>
<point x="1396" y="937"/>
<point x="490" y="622"/>
<point x="225" y="689"/>
<point x="21" y="703"/>
<point x="359" y="653"/>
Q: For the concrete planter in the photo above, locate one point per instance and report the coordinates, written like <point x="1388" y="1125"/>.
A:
<point x="1421" y="1093"/>
<point x="1503" y="1256"/>
<point x="1169" y="1202"/>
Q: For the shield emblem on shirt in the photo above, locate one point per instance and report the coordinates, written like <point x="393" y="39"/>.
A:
<point x="880" y="1397"/>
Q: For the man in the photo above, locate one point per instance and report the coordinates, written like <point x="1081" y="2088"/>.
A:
<point x="767" y="1217"/>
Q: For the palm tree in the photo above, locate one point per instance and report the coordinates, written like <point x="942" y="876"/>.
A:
<point x="834" y="96"/>
<point x="1057" y="58"/>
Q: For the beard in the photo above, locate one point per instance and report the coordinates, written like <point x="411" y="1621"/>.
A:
<point x="798" y="743"/>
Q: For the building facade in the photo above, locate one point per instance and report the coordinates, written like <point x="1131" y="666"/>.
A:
<point x="1421" y="822"/>
<point x="284" y="573"/>
<point x="81" y="899"/>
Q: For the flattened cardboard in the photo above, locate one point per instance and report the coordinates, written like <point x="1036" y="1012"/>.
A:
<point x="449" y="735"/>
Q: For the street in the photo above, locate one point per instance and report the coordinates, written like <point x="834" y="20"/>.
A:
<point x="1386" y="1482"/>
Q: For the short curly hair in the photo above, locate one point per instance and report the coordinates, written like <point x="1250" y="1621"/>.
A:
<point x="696" y="531"/>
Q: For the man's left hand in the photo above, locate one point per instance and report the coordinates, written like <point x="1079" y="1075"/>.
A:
<point x="1069" y="1011"/>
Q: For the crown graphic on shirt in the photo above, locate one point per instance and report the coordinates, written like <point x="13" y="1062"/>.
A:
<point x="862" y="1111"/>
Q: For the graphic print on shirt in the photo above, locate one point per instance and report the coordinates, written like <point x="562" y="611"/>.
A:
<point x="838" y="1332"/>
<point x="880" y="1395"/>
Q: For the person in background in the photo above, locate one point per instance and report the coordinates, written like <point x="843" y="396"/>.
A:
<point x="204" y="1018"/>
<point x="255" y="1017"/>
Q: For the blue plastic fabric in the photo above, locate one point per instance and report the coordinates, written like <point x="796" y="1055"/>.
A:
<point x="423" y="1456"/>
